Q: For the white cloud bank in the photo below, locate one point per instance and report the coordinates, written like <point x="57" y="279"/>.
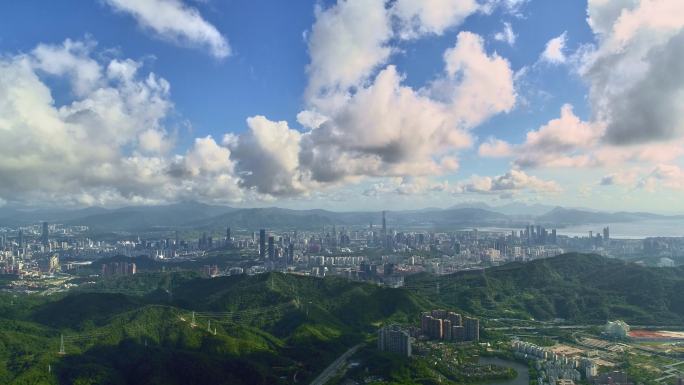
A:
<point x="635" y="74"/>
<point x="361" y="119"/>
<point x="108" y="146"/>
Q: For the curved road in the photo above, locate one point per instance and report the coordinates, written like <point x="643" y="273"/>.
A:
<point x="330" y="371"/>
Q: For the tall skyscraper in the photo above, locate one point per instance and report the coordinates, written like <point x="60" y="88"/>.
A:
<point x="45" y="235"/>
<point x="262" y="243"/>
<point x="203" y="241"/>
<point x="290" y="254"/>
<point x="606" y="233"/>
<point x="384" y="229"/>
<point x="20" y="239"/>
<point x="271" y="247"/>
<point x="228" y="240"/>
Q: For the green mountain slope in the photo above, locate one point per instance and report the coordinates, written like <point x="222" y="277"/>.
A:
<point x="265" y="329"/>
<point x="271" y="328"/>
<point x="573" y="286"/>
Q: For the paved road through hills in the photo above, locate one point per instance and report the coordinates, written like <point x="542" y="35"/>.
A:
<point x="330" y="371"/>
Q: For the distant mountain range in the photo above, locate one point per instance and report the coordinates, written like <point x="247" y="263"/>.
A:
<point x="512" y="209"/>
<point x="203" y="216"/>
<point x="561" y="215"/>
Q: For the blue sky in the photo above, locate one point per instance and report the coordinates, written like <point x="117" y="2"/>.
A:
<point x="416" y="103"/>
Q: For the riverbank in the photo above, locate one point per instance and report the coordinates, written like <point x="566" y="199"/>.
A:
<point x="523" y="374"/>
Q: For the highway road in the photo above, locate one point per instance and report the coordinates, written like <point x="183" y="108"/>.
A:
<point x="540" y="327"/>
<point x="332" y="369"/>
<point x="573" y="327"/>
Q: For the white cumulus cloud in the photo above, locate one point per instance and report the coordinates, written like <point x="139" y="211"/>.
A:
<point x="175" y="21"/>
<point x="506" y="35"/>
<point x="554" y="52"/>
<point x="636" y="71"/>
<point x="423" y="17"/>
<point x="347" y="42"/>
<point x="511" y="182"/>
<point x="107" y="146"/>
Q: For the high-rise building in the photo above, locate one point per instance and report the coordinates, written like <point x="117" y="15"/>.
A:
<point x="425" y="323"/>
<point x="449" y="326"/>
<point x="45" y="235"/>
<point x="262" y="243"/>
<point x="118" y="268"/>
<point x="431" y="326"/>
<point x="394" y="339"/>
<point x="203" y="241"/>
<point x="53" y="263"/>
<point x="447" y="329"/>
<point x="389" y="269"/>
<point x="290" y="254"/>
<point x="472" y="329"/>
<point x="384" y="229"/>
<point x="436" y="328"/>
<point x="592" y="371"/>
<point x="606" y="233"/>
<point x="271" y="247"/>
<point x="228" y="239"/>
<point x="458" y="333"/>
<point x="20" y="239"/>
<point x="455" y="318"/>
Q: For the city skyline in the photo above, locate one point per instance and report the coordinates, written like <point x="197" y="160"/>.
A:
<point x="343" y="104"/>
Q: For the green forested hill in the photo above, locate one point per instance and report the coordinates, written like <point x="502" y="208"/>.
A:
<point x="577" y="287"/>
<point x="137" y="330"/>
<point x="271" y="328"/>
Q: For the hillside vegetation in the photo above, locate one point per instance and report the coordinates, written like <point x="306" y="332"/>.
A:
<point x="576" y="287"/>
<point x="273" y="328"/>
<point x="265" y="329"/>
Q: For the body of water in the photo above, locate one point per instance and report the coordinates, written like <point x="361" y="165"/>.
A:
<point x="630" y="230"/>
<point x="523" y="377"/>
<point x="618" y="230"/>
